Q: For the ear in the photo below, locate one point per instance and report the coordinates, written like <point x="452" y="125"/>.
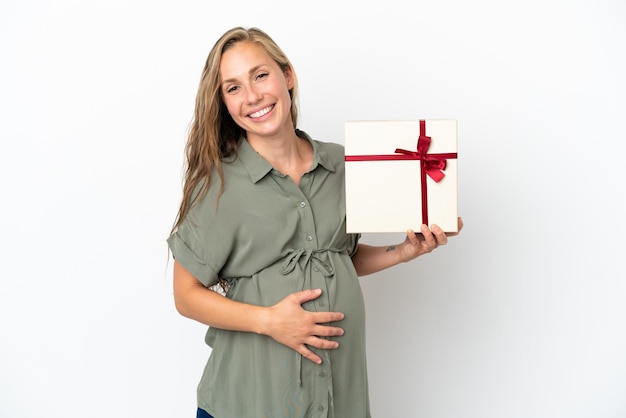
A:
<point x="289" y="78"/>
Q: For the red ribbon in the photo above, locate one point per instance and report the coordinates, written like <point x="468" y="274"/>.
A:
<point x="431" y="165"/>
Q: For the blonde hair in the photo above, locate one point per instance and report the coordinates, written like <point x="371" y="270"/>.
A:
<point x="214" y="135"/>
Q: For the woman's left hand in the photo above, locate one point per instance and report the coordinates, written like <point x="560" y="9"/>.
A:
<point x="424" y="242"/>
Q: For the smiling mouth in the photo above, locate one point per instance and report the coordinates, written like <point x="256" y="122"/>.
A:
<point x="261" y="112"/>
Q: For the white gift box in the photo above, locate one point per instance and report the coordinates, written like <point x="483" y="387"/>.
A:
<point x="388" y="188"/>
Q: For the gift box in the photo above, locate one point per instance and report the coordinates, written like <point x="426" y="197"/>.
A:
<point x="400" y="175"/>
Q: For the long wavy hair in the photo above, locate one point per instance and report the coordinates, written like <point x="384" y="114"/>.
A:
<point x="214" y="135"/>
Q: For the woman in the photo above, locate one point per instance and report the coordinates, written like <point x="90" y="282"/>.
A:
<point x="263" y="214"/>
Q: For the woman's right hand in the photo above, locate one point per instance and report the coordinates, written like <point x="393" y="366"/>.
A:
<point x="286" y="322"/>
<point x="290" y="324"/>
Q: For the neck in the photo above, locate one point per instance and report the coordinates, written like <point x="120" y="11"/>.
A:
<point x="287" y="153"/>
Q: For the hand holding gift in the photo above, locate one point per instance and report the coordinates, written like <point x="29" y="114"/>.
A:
<point x="425" y="241"/>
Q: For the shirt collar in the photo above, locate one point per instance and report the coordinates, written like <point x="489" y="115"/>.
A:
<point x="258" y="167"/>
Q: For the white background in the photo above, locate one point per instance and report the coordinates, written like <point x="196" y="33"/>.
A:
<point x="523" y="315"/>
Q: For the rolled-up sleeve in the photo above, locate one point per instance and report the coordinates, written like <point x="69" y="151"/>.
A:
<point x="182" y="248"/>
<point x="353" y="243"/>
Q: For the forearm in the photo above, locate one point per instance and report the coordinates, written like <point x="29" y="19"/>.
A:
<point x="204" y="305"/>
<point x="286" y="322"/>
<point x="370" y="259"/>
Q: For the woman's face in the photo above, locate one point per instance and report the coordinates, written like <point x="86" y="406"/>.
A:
<point x="256" y="90"/>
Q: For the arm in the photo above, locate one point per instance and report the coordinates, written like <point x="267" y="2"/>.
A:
<point x="369" y="259"/>
<point x="286" y="322"/>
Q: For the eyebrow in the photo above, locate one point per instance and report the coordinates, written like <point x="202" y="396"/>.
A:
<point x="252" y="70"/>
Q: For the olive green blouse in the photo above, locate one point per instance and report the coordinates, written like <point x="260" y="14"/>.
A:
<point x="269" y="238"/>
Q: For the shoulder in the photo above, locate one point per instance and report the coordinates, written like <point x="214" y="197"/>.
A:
<point x="331" y="155"/>
<point x="332" y="148"/>
<point x="326" y="150"/>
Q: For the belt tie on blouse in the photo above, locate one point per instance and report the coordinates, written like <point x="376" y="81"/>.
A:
<point x="309" y="257"/>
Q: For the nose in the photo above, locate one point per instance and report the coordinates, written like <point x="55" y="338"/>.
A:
<point x="252" y="94"/>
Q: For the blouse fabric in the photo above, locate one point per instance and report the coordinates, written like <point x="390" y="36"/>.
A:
<point x="268" y="238"/>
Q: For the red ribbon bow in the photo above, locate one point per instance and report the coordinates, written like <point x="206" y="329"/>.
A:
<point x="431" y="165"/>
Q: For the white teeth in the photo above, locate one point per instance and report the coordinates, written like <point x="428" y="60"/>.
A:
<point x="260" y="112"/>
